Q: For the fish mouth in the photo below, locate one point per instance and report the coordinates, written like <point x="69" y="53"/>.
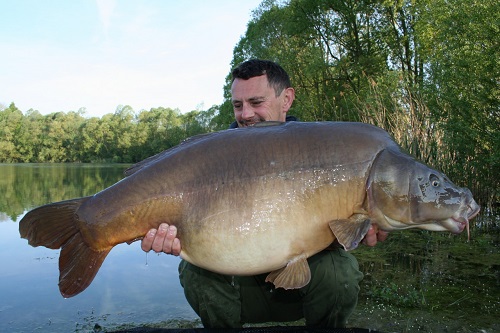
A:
<point x="463" y="216"/>
<point x="459" y="224"/>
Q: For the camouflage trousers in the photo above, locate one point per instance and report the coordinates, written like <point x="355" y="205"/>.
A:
<point x="224" y="301"/>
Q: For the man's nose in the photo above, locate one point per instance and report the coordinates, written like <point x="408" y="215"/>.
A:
<point x="247" y="112"/>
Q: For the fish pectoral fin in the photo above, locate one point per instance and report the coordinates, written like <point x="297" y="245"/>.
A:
<point x="78" y="265"/>
<point x="349" y="232"/>
<point x="295" y="274"/>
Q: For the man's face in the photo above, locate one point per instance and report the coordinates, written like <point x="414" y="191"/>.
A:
<point x="254" y="100"/>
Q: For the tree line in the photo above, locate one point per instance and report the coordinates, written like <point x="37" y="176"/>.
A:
<point x="120" y="137"/>
<point x="426" y="71"/>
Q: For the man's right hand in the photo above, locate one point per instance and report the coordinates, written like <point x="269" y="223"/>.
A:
<point x="162" y="240"/>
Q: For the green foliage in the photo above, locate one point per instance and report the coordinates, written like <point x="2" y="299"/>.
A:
<point x="120" y="137"/>
<point x="463" y="91"/>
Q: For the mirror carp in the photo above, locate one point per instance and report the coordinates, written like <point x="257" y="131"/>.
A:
<point x="255" y="200"/>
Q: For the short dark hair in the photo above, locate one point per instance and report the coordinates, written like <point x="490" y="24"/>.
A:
<point x="278" y="78"/>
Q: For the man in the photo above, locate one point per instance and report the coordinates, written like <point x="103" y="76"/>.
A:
<point x="261" y="91"/>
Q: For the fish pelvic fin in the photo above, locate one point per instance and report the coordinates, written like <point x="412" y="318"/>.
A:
<point x="296" y="274"/>
<point x="78" y="265"/>
<point x="51" y="225"/>
<point x="349" y="232"/>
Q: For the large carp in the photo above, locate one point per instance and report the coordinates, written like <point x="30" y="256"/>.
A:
<point x="255" y="200"/>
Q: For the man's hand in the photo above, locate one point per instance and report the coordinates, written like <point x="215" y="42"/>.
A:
<point x="374" y="235"/>
<point x="162" y="240"/>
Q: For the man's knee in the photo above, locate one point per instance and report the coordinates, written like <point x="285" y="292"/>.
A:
<point x="332" y="294"/>
<point x="212" y="296"/>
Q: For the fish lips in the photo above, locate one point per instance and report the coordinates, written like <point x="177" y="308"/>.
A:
<point x="460" y="220"/>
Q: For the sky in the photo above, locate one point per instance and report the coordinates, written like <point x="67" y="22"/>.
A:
<point x="63" y="55"/>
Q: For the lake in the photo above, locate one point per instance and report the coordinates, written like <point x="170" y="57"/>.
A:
<point x="416" y="281"/>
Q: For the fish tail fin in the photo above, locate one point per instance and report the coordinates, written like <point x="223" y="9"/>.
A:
<point x="55" y="226"/>
<point x="78" y="265"/>
<point x="51" y="225"/>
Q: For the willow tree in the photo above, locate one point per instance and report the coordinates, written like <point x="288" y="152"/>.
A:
<point x="427" y="71"/>
<point x="462" y="49"/>
<point x="348" y="60"/>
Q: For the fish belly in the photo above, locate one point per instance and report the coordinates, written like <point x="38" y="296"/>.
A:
<point x="260" y="227"/>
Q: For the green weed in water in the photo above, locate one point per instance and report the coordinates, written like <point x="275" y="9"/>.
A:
<point x="397" y="295"/>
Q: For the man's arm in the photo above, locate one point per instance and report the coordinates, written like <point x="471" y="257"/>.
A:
<point x="164" y="239"/>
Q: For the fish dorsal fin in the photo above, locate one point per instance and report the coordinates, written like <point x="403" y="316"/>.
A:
<point x="349" y="232"/>
<point x="295" y="274"/>
<point x="139" y="165"/>
<point x="150" y="160"/>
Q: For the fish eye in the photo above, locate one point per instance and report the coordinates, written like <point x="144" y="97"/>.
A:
<point x="434" y="181"/>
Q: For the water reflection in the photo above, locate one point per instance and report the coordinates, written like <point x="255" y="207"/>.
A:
<point x="125" y="290"/>
<point x="415" y="281"/>
<point x="30" y="185"/>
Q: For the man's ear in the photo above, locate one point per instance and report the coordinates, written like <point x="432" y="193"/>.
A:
<point x="288" y="98"/>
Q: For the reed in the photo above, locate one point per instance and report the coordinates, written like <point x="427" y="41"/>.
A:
<point x="426" y="135"/>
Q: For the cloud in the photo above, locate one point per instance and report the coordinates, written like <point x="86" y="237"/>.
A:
<point x="106" y="9"/>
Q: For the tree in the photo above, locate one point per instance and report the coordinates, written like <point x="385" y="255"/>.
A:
<point x="462" y="86"/>
<point x="10" y="123"/>
<point x="28" y="139"/>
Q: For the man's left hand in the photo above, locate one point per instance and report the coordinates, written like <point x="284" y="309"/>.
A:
<point x="374" y="235"/>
